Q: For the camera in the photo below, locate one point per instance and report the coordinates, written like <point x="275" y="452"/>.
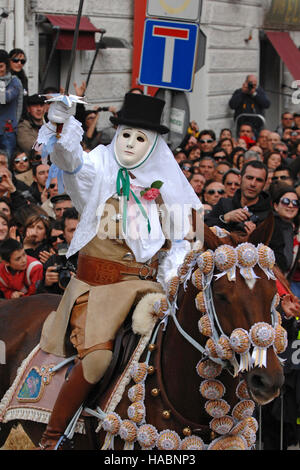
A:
<point x="250" y="86"/>
<point x="65" y="269"/>
<point x="64" y="273"/>
<point x="253" y="218"/>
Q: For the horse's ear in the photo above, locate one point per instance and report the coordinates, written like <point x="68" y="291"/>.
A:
<point x="263" y="232"/>
<point x="211" y="241"/>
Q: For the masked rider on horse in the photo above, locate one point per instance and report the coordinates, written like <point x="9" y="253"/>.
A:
<point x="133" y="200"/>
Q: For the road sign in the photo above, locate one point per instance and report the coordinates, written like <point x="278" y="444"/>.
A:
<point x="185" y="10"/>
<point x="168" y="54"/>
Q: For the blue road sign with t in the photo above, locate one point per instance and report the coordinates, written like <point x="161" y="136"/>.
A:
<point x="168" y="54"/>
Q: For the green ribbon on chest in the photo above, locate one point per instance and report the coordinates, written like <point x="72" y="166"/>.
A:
<point x="123" y="188"/>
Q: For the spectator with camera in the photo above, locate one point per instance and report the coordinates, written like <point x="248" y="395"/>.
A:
<point x="250" y="99"/>
<point x="11" y="189"/>
<point x="249" y="206"/>
<point x="58" y="269"/>
<point x="19" y="273"/>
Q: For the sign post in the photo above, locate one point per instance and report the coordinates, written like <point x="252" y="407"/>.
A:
<point x="169" y="54"/>
<point x="184" y="10"/>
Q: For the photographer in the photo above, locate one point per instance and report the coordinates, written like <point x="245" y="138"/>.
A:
<point x="58" y="269"/>
<point x="250" y="99"/>
<point x="91" y="136"/>
<point x="249" y="206"/>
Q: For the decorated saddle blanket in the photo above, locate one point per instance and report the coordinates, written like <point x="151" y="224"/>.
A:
<point x="38" y="381"/>
<point x="35" y="388"/>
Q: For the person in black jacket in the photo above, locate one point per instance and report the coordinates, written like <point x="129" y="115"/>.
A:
<point x="249" y="206"/>
<point x="250" y="99"/>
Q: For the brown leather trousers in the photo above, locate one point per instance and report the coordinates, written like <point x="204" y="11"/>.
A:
<point x="77" y="324"/>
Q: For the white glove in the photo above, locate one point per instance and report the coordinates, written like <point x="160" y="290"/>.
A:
<point x="59" y="112"/>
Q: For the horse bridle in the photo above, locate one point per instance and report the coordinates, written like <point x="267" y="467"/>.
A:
<point x="216" y="327"/>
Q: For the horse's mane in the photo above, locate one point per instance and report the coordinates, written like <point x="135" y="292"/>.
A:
<point x="212" y="242"/>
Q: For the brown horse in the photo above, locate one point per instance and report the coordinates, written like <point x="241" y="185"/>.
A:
<point x="172" y="399"/>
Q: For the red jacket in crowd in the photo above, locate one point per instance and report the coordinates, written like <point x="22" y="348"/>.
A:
<point x="21" y="281"/>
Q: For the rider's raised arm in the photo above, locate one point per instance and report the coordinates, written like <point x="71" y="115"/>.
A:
<point x="67" y="154"/>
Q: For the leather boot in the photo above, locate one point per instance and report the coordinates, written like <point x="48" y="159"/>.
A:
<point x="72" y="394"/>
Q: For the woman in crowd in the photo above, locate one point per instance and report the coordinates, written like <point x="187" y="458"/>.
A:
<point x="236" y="152"/>
<point x="273" y="160"/>
<point x="226" y="134"/>
<point x="17" y="60"/>
<point x="240" y="161"/>
<point x="226" y="144"/>
<point x="286" y="207"/>
<point x="11" y="99"/>
<point x="194" y="153"/>
<point x="36" y="233"/>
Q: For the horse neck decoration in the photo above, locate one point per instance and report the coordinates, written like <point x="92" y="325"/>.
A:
<point x="232" y="286"/>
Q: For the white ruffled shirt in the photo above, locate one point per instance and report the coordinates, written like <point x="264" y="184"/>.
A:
<point x="90" y="180"/>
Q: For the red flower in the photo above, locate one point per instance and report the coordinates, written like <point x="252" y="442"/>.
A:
<point x="151" y="194"/>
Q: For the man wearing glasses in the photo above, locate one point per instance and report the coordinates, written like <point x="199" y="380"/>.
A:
<point x="282" y="148"/>
<point x="231" y="181"/>
<point x="286" y="121"/>
<point x="283" y="174"/>
<point x="207" y="142"/>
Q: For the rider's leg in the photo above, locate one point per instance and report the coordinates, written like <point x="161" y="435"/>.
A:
<point x="84" y="375"/>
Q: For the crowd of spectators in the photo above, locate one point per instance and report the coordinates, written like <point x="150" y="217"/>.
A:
<point x="239" y="178"/>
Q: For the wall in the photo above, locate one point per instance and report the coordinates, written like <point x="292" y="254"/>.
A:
<point x="229" y="58"/>
<point x="112" y="71"/>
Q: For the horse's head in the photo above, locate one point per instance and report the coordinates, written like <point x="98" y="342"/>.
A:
<point x="242" y="298"/>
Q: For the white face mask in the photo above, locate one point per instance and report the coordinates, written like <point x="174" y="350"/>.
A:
<point x="133" y="145"/>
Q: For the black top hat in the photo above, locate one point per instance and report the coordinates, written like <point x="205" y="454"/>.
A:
<point x="141" y="111"/>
